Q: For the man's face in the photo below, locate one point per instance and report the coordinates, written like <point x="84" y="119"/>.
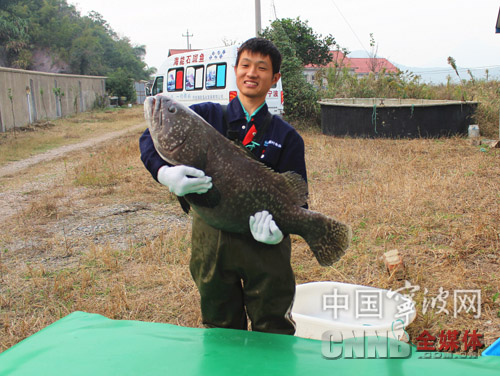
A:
<point x="254" y="75"/>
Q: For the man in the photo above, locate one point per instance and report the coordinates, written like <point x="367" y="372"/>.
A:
<point x="238" y="275"/>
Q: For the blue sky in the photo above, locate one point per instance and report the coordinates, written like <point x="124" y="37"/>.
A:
<point x="412" y="33"/>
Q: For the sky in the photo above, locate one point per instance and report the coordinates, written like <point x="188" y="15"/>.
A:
<point x="411" y="33"/>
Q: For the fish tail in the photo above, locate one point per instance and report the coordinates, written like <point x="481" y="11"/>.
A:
<point x="328" y="240"/>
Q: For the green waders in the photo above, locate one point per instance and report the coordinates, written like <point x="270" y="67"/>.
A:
<point x="234" y="272"/>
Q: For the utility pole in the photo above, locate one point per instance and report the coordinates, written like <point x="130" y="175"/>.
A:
<point x="258" y="27"/>
<point x="187" y="36"/>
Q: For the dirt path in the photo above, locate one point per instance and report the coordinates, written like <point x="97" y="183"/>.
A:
<point x="116" y="226"/>
<point x="51" y="214"/>
<point x="13" y="200"/>
<point x="14" y="167"/>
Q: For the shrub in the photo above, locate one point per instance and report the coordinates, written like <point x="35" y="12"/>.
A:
<point x="121" y="84"/>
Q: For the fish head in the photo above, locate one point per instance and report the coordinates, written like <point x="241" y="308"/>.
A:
<point x="169" y="124"/>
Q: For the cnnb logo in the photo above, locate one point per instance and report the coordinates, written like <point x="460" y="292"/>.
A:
<point x="363" y="345"/>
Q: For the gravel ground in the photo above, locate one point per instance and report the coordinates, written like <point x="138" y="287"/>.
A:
<point x="78" y="220"/>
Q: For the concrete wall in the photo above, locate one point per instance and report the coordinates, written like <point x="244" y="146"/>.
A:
<point x="28" y="103"/>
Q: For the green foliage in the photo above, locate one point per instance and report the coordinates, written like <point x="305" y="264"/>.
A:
<point x="58" y="92"/>
<point x="120" y="83"/>
<point x="100" y="102"/>
<point x="15" y="39"/>
<point x="343" y="84"/>
<point x="86" y="55"/>
<point x="310" y="47"/>
<point x="11" y="97"/>
<point x="300" y="97"/>
<point x="453" y="64"/>
<point x="86" y="43"/>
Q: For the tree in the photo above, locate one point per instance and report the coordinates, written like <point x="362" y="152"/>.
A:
<point x="453" y="64"/>
<point x="85" y="55"/>
<point x="122" y="54"/>
<point x="375" y="64"/>
<point x="14" y="38"/>
<point x="300" y="97"/>
<point x="121" y="84"/>
<point x="99" y="20"/>
<point x="88" y="44"/>
<point x="310" y="47"/>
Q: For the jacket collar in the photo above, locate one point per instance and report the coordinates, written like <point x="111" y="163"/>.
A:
<point x="236" y="113"/>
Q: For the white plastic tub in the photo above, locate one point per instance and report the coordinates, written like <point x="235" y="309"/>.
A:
<point x="350" y="309"/>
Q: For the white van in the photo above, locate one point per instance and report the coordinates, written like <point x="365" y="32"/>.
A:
<point x="206" y="76"/>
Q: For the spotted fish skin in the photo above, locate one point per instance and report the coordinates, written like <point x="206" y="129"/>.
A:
<point x="242" y="186"/>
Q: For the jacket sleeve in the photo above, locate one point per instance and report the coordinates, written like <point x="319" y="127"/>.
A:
<point x="149" y="156"/>
<point x="293" y="157"/>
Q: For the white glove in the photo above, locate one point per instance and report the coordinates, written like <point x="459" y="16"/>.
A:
<point x="264" y="229"/>
<point x="182" y="180"/>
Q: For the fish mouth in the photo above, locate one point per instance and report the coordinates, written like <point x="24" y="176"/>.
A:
<point x="176" y="148"/>
<point x="168" y="136"/>
<point x="168" y="154"/>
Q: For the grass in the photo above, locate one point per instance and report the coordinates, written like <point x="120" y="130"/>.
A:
<point x="28" y="141"/>
<point x="103" y="237"/>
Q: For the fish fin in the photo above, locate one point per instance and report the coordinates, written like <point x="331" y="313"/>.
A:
<point x="297" y="187"/>
<point x="328" y="238"/>
<point x="295" y="184"/>
<point x="207" y="200"/>
<point x="184" y="204"/>
<point x="243" y="150"/>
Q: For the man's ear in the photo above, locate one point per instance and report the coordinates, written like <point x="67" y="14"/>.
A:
<point x="276" y="77"/>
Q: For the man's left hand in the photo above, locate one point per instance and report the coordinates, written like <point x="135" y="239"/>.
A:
<point x="264" y="229"/>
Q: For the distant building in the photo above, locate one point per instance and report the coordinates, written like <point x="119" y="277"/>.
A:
<point x="356" y="66"/>
<point x="140" y="91"/>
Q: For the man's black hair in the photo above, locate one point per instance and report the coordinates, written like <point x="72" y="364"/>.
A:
<point x="264" y="47"/>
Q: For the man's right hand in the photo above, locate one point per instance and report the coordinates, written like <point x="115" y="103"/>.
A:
<point x="182" y="180"/>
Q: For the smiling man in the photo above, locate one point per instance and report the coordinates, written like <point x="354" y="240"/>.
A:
<point x="242" y="277"/>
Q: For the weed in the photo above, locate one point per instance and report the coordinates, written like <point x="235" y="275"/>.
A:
<point x="11" y="99"/>
<point x="413" y="195"/>
<point x="97" y="172"/>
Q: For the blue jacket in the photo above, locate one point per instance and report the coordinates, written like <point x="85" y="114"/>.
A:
<point x="283" y="148"/>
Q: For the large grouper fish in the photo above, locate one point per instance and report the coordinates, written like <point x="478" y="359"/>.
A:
<point x="242" y="186"/>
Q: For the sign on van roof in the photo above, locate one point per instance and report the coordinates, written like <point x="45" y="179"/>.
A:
<point x="190" y="59"/>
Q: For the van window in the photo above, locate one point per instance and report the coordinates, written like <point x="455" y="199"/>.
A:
<point x="194" y="78"/>
<point x="216" y="76"/>
<point x="157" y="86"/>
<point x="175" y="79"/>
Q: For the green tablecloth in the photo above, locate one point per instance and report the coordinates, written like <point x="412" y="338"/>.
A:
<point x="90" y="344"/>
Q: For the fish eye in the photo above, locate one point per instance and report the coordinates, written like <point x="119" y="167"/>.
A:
<point x="172" y="109"/>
